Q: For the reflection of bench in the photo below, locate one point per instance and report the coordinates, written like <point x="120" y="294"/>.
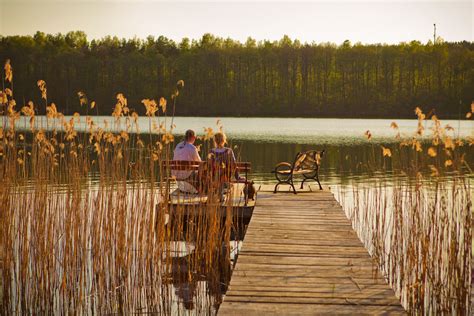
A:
<point x="204" y="168"/>
<point x="306" y="164"/>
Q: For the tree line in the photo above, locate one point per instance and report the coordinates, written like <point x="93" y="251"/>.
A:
<point x="224" y="77"/>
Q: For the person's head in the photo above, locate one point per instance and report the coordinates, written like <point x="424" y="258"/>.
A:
<point x="190" y="136"/>
<point x="219" y="139"/>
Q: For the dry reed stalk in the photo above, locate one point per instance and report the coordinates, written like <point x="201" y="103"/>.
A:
<point x="419" y="227"/>
<point x="71" y="244"/>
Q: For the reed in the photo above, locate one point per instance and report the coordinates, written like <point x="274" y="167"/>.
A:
<point x="418" y="226"/>
<point x="73" y="244"/>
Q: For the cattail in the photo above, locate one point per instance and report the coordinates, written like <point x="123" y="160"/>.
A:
<point x="8" y="71"/>
<point x="386" y="152"/>
<point x="82" y="98"/>
<point x="432" y="152"/>
<point x="42" y="87"/>
<point x="368" y="134"/>
<point x="448" y="163"/>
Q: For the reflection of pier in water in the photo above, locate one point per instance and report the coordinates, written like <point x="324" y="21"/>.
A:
<point x="186" y="277"/>
<point x="188" y="208"/>
<point x="189" y="215"/>
<point x="300" y="255"/>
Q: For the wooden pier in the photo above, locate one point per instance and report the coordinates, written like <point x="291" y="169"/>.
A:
<point x="301" y="256"/>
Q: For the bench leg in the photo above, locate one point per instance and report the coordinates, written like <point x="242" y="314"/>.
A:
<point x="290" y="182"/>
<point x="317" y="179"/>
<point x="294" y="190"/>
<point x="302" y="182"/>
<point x="292" y="185"/>
<point x="276" y="187"/>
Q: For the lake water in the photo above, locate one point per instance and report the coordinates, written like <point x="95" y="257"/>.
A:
<point x="267" y="141"/>
<point x="312" y="131"/>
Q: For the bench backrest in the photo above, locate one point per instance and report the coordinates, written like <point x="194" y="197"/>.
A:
<point x="308" y="160"/>
<point x="182" y="164"/>
<point x="195" y="165"/>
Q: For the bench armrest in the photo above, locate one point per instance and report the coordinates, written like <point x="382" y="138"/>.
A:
<point x="281" y="164"/>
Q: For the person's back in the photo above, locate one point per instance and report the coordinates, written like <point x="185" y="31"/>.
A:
<point x="224" y="161"/>
<point x="224" y="156"/>
<point x="188" y="152"/>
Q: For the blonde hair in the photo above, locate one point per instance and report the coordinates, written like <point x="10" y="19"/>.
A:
<point x="220" y="139"/>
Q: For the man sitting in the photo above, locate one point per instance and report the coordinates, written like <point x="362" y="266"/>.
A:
<point x="186" y="150"/>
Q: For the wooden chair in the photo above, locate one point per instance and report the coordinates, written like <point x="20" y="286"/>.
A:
<point x="305" y="164"/>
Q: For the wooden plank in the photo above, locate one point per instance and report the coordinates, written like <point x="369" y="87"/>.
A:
<point x="281" y="230"/>
<point x="309" y="228"/>
<point x="312" y="235"/>
<point x="315" y="281"/>
<point x="303" y="261"/>
<point x="287" y="211"/>
<point x="306" y="273"/>
<point x="283" y="188"/>
<point x="340" y="269"/>
<point x="301" y="222"/>
<point x="314" y="215"/>
<point x="261" y="247"/>
<point x="315" y="234"/>
<point x="308" y="298"/>
<point x="286" y="198"/>
<point x="304" y="214"/>
<point x="290" y="211"/>
<point x="262" y="309"/>
<point x="303" y="202"/>
<point x="307" y="242"/>
<point x="301" y="256"/>
<point x="301" y="198"/>
<point x="334" y="290"/>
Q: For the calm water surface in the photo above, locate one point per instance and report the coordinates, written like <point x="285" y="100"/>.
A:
<point x="266" y="141"/>
<point x="270" y="130"/>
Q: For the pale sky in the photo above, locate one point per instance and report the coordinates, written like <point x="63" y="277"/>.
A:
<point x="373" y="21"/>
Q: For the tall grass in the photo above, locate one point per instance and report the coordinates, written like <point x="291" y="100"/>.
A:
<point x="70" y="244"/>
<point x="73" y="244"/>
<point x="418" y="226"/>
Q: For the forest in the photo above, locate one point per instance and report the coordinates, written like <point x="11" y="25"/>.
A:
<point x="224" y="77"/>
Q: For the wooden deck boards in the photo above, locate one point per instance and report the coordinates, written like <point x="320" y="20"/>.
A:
<point x="300" y="256"/>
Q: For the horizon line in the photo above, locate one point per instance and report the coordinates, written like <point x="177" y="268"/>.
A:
<point x="257" y="41"/>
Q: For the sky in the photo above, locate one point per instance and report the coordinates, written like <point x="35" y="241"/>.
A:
<point x="372" y="21"/>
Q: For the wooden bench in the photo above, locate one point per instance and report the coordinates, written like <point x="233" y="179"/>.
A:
<point x="305" y="164"/>
<point x="198" y="166"/>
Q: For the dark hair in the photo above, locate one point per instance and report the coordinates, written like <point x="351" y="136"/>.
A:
<point x="189" y="134"/>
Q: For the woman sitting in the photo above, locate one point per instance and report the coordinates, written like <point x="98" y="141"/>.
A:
<point x="224" y="157"/>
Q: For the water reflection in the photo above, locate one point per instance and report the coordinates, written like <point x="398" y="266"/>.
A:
<point x="267" y="141"/>
<point x="187" y="277"/>
<point x="341" y="164"/>
<point x="323" y="131"/>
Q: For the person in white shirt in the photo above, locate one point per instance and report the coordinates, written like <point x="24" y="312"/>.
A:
<point x="186" y="150"/>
